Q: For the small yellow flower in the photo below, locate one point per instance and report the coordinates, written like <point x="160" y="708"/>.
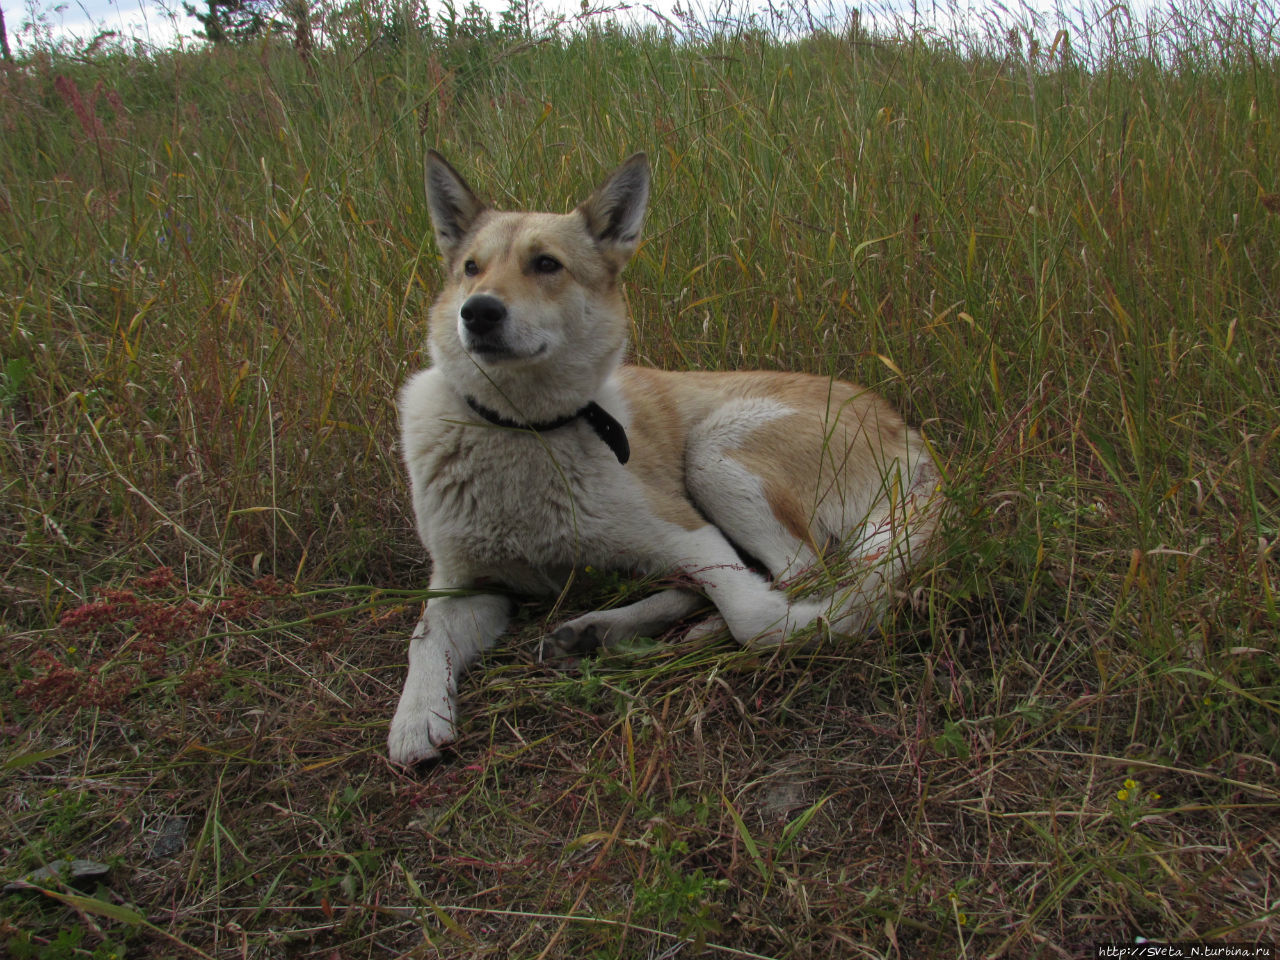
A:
<point x="962" y="918"/>
<point x="1130" y="785"/>
<point x="1122" y="795"/>
<point x="1155" y="797"/>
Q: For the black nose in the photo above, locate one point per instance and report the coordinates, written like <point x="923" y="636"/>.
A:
<point x="481" y="313"/>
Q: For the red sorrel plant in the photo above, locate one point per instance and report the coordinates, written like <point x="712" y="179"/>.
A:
<point x="105" y="650"/>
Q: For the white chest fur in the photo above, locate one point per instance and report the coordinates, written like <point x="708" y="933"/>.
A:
<point x="523" y="507"/>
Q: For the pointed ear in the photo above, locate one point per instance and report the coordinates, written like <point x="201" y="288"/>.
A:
<point x="615" y="212"/>
<point x="454" y="207"/>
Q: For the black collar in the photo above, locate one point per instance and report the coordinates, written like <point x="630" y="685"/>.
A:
<point x="606" y="427"/>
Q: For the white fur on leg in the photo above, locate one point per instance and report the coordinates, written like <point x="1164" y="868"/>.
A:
<point x="451" y="634"/>
<point x="644" y="618"/>
<point x="754" y="612"/>
<point x="424" y="718"/>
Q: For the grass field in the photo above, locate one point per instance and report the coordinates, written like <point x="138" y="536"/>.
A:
<point x="1057" y="252"/>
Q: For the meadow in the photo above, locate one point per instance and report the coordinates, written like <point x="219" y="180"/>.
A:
<point x="1055" y="247"/>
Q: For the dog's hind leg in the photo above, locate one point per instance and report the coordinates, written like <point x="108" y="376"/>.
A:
<point x="863" y="571"/>
<point x="864" y="551"/>
<point x="764" y="520"/>
<point x="734" y="499"/>
<point x="644" y="618"/>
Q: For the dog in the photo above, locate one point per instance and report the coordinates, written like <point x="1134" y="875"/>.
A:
<point x="533" y="450"/>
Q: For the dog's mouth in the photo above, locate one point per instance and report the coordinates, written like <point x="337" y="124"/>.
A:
<point x="496" y="351"/>
<point x="488" y="349"/>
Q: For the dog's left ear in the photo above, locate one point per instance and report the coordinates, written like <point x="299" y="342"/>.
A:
<point x="615" y="212"/>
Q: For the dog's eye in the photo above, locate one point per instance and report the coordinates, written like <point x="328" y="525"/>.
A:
<point x="546" y="264"/>
<point x="470" y="268"/>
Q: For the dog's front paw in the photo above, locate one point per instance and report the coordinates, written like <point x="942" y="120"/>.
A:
<point x="419" y="729"/>
<point x="574" y="638"/>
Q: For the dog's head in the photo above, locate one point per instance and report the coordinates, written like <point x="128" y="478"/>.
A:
<point x="531" y="319"/>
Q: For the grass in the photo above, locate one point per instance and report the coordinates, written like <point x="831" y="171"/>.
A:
<point x="1058" y="252"/>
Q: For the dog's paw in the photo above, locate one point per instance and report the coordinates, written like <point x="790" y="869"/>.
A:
<point x="706" y="629"/>
<point x="798" y="617"/>
<point x="418" y="731"/>
<point x="573" y="639"/>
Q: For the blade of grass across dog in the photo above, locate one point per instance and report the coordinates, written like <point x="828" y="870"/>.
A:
<point x="378" y="597"/>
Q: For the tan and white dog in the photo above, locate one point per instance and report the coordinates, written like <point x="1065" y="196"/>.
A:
<point x="533" y="449"/>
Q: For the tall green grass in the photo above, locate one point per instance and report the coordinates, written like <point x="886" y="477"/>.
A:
<point x="1056" y="247"/>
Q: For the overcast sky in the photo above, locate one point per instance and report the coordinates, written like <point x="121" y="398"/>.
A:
<point x="148" y="21"/>
<point x="158" y="23"/>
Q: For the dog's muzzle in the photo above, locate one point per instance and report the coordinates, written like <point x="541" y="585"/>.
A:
<point x="482" y="314"/>
<point x="483" y="320"/>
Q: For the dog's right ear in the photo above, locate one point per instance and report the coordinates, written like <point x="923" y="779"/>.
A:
<point x="454" y="207"/>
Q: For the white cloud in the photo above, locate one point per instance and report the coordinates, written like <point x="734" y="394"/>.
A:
<point x="79" y="23"/>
